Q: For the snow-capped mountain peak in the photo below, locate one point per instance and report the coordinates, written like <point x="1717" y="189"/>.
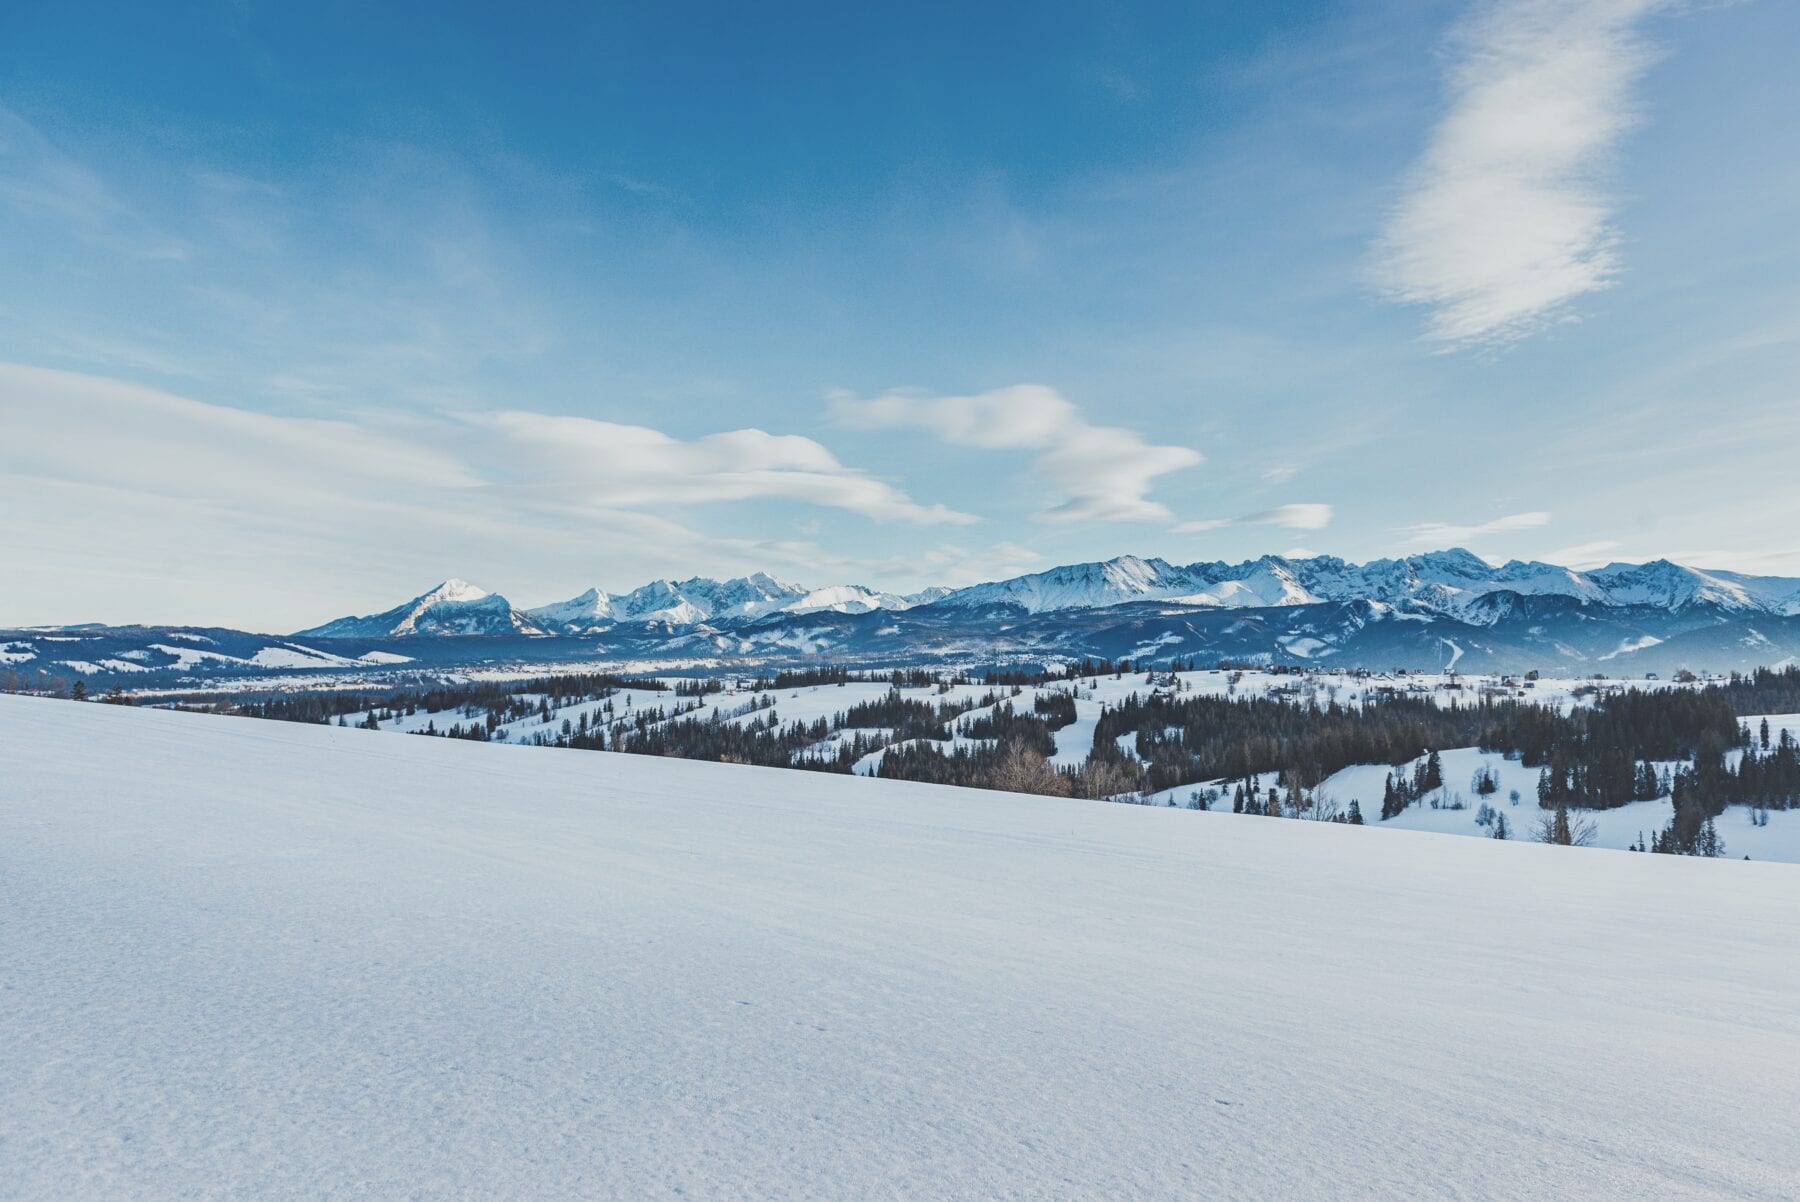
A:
<point x="1453" y="583"/>
<point x="699" y="600"/>
<point x="454" y="592"/>
<point x="454" y="607"/>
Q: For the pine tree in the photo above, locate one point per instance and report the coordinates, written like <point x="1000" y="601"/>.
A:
<point x="1391" y="805"/>
<point x="80" y="691"/>
<point x="1500" y="828"/>
<point x="1354" y="817"/>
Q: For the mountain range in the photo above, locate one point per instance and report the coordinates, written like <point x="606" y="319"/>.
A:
<point x="1454" y="583"/>
<point x="1428" y="611"/>
<point x="456" y="607"/>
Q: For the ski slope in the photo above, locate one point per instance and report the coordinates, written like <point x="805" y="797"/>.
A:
<point x="254" y="959"/>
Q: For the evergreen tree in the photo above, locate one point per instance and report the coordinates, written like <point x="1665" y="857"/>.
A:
<point x="1354" y="817"/>
<point x="1391" y="802"/>
<point x="80" y="691"/>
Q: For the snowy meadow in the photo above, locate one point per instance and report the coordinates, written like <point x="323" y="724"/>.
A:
<point x="288" y="960"/>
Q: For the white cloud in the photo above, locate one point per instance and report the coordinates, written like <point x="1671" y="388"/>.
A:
<point x="69" y="426"/>
<point x="130" y="503"/>
<point x="611" y="465"/>
<point x="1281" y="474"/>
<point x="1102" y="473"/>
<point x="63" y="425"/>
<point x="1442" y="534"/>
<point x="1504" y="221"/>
<point x="1308" y="516"/>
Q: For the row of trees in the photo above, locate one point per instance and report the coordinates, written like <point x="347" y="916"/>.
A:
<point x="1592" y="757"/>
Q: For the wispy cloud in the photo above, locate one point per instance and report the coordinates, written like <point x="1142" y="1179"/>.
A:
<point x="1505" y="219"/>
<point x="1289" y="517"/>
<point x="1101" y="473"/>
<point x="40" y="182"/>
<point x="72" y="426"/>
<point x="1443" y="534"/>
<point x="611" y="465"/>
<point x="180" y="509"/>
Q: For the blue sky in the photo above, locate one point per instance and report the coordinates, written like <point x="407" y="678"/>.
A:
<point x="303" y="308"/>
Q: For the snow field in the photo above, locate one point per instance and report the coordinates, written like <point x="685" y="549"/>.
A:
<point x="249" y="958"/>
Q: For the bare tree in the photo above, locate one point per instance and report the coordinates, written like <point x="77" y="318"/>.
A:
<point x="1322" y="808"/>
<point x="1100" y="779"/>
<point x="1022" y="770"/>
<point x="1558" y="827"/>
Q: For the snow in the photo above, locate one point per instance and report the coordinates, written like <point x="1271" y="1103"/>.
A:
<point x="100" y="667"/>
<point x="265" y="960"/>
<point x="1075" y="742"/>
<point x="187" y="657"/>
<point x="453" y="608"/>
<point x="1450" y="582"/>
<point x="295" y="657"/>
<point x="1617" y="828"/>
<point x="799" y="707"/>
<point x="16" y="653"/>
<point x="1777" y="724"/>
<point x="689" y="602"/>
<point x="457" y="591"/>
<point x="1304" y="646"/>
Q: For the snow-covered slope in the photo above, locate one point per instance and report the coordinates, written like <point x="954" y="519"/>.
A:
<point x="580" y="614"/>
<point x="454" y="607"/>
<point x="266" y="960"/>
